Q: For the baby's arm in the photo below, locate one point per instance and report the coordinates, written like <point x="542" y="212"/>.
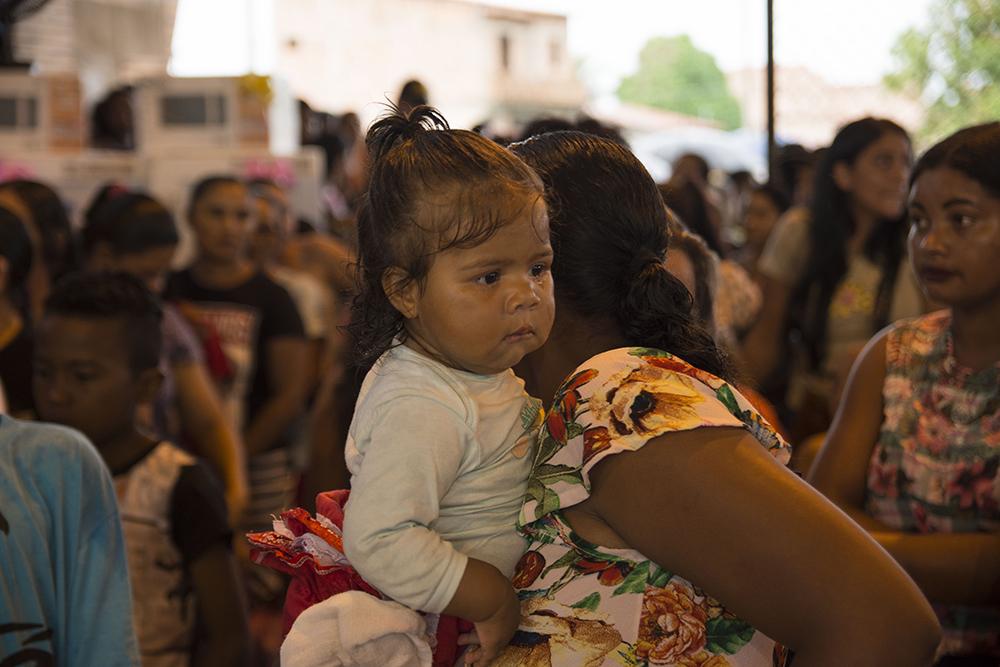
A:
<point x="414" y="449"/>
<point x="486" y="598"/>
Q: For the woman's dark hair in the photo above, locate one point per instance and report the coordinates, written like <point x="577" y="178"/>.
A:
<point x="128" y="222"/>
<point x="973" y="151"/>
<point x="15" y="247"/>
<point x="610" y="238"/>
<point x="115" y="296"/>
<point x="777" y="197"/>
<point x="59" y="249"/>
<point x="831" y="225"/>
<point x="688" y="202"/>
<point x="431" y="188"/>
<point x="790" y="161"/>
<point x="544" y="125"/>
<point x="206" y="185"/>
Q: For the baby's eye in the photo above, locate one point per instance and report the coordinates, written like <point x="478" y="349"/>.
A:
<point x="539" y="269"/>
<point x="489" y="278"/>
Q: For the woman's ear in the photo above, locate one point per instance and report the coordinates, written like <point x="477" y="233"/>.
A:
<point x="843" y="176"/>
<point x="402" y="291"/>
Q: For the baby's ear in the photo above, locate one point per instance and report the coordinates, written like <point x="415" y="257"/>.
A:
<point x="402" y="291"/>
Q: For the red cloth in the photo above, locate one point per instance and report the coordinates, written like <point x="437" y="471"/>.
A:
<point x="313" y="582"/>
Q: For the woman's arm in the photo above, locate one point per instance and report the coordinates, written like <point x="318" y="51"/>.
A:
<point x="949" y="568"/>
<point x="203" y="419"/>
<point x="763" y="345"/>
<point x="841" y="467"/>
<point x="286" y="372"/>
<point x="714" y="505"/>
<point x="328" y="424"/>
<point x="222" y="618"/>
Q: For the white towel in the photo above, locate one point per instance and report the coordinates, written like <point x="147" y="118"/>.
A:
<point x="355" y="629"/>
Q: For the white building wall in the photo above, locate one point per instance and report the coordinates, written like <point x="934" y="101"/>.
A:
<point x="344" y="55"/>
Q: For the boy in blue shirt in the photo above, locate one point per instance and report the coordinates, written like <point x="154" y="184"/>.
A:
<point x="64" y="592"/>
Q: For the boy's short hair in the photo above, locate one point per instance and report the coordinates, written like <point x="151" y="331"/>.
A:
<point x="114" y="296"/>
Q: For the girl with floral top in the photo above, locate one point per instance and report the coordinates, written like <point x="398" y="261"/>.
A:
<point x="663" y="527"/>
<point x="916" y="461"/>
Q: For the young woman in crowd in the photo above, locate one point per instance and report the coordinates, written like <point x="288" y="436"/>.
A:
<point x="260" y="373"/>
<point x="662" y="526"/>
<point x="914" y="450"/>
<point x="833" y="273"/>
<point x="765" y="206"/>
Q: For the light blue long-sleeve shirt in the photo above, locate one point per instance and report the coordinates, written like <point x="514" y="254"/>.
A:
<point x="439" y="460"/>
<point x="64" y="588"/>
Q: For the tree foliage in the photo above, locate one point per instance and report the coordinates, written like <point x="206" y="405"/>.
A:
<point x="675" y="75"/>
<point x="953" y="65"/>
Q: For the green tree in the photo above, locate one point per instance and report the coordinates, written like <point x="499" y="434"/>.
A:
<point x="677" y="76"/>
<point x="953" y="66"/>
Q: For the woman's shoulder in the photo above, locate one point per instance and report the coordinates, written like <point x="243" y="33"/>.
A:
<point x="620" y="400"/>
<point x="639" y="393"/>
<point x="917" y="339"/>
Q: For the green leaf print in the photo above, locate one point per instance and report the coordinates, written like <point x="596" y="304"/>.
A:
<point x="549" y="504"/>
<point x="725" y="394"/>
<point x="529" y="413"/>
<point x="565" y="560"/>
<point x="536" y="491"/>
<point x="590" y="603"/>
<point x="727" y="635"/>
<point x="659" y="577"/>
<point x="547" y="447"/>
<point x="647" y="352"/>
<point x="549" y="474"/>
<point x="627" y="656"/>
<point x="551" y="469"/>
<point x="636" y="580"/>
<point x="573" y="430"/>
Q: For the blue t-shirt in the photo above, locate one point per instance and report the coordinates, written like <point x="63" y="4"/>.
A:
<point x="64" y="591"/>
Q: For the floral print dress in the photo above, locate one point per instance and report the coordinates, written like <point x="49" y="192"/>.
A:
<point x="588" y="605"/>
<point x="934" y="467"/>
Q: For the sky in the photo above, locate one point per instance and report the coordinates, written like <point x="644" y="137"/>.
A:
<point x="845" y="41"/>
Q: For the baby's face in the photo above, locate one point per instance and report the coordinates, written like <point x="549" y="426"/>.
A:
<point x="483" y="308"/>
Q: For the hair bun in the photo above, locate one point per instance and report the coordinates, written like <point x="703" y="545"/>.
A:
<point x="394" y="127"/>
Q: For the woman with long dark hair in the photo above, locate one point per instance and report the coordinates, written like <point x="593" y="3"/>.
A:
<point x="833" y="273"/>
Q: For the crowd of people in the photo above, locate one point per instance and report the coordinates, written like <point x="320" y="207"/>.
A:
<point x="515" y="385"/>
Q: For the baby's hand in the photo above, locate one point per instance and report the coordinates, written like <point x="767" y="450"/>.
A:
<point x="496" y="631"/>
